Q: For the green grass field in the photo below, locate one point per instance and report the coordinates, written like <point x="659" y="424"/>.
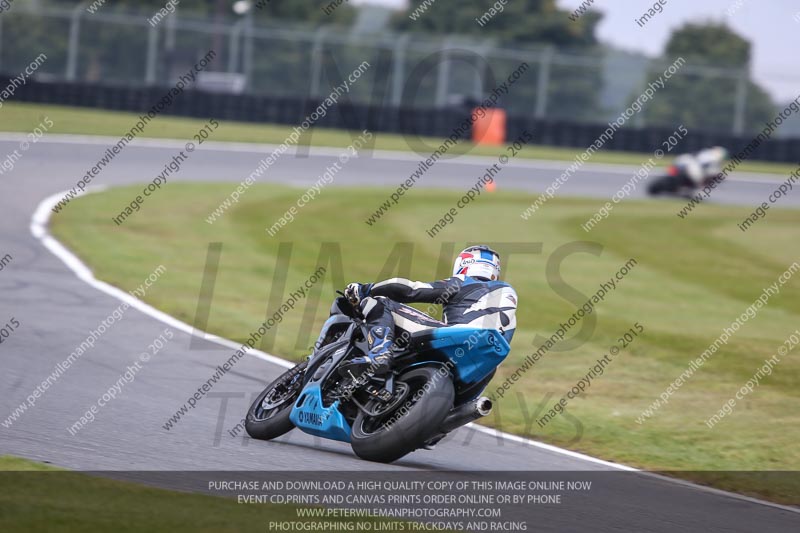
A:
<point x="36" y="497"/>
<point x="693" y="277"/>
<point x="17" y="117"/>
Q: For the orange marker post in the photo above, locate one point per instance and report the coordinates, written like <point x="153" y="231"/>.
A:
<point x="491" y="128"/>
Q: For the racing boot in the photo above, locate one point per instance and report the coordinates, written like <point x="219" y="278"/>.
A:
<point x="379" y="359"/>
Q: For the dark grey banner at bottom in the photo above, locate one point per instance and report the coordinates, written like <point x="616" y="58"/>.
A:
<point x="452" y="501"/>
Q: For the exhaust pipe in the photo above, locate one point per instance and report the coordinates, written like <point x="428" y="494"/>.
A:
<point x="467" y="413"/>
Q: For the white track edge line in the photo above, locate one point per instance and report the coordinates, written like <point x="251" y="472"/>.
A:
<point x="39" y="229"/>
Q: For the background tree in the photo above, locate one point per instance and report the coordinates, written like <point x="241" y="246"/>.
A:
<point x="522" y="21"/>
<point x="103" y="41"/>
<point x="572" y="92"/>
<point x="702" y="101"/>
<point x="307" y="11"/>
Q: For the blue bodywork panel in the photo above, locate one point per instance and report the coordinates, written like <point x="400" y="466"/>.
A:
<point x="474" y="353"/>
<point x="312" y="417"/>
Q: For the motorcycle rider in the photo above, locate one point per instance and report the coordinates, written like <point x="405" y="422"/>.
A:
<point x="473" y="296"/>
<point x="703" y="165"/>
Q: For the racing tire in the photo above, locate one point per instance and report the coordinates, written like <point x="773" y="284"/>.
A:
<point x="388" y="438"/>
<point x="664" y="184"/>
<point x="267" y="424"/>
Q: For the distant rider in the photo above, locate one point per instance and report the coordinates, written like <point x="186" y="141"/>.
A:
<point x="474" y="296"/>
<point x="703" y="165"/>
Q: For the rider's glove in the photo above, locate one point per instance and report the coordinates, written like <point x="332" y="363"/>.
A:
<point x="355" y="292"/>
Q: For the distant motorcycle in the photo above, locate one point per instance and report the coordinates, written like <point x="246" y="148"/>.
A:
<point x="433" y="389"/>
<point x="676" y="183"/>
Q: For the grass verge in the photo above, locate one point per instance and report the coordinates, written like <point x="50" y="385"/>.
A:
<point x="36" y="497"/>
<point x="19" y="117"/>
<point x="692" y="278"/>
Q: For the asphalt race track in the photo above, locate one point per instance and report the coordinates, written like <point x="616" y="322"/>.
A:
<point x="56" y="310"/>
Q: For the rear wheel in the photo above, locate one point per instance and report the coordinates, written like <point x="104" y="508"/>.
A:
<point x="676" y="185"/>
<point x="412" y="417"/>
<point x="268" y="417"/>
<point x="664" y="184"/>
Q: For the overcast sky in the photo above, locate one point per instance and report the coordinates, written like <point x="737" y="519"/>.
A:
<point x="769" y="24"/>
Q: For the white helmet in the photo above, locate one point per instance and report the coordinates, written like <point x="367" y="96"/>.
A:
<point x="478" y="262"/>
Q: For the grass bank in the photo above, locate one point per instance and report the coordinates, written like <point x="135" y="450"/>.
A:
<point x="36" y="497"/>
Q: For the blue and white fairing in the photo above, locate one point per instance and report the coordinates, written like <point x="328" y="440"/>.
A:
<point x="471" y="353"/>
<point x="310" y="415"/>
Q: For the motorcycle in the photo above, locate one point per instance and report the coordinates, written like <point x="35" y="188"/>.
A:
<point x="433" y="388"/>
<point x="675" y="183"/>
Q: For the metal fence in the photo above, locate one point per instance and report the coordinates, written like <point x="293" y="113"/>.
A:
<point x="119" y="48"/>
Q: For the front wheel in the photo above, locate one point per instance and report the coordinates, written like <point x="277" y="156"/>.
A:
<point x="268" y="417"/>
<point x="426" y="397"/>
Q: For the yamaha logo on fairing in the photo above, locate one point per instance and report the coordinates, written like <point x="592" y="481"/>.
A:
<point x="311" y="418"/>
